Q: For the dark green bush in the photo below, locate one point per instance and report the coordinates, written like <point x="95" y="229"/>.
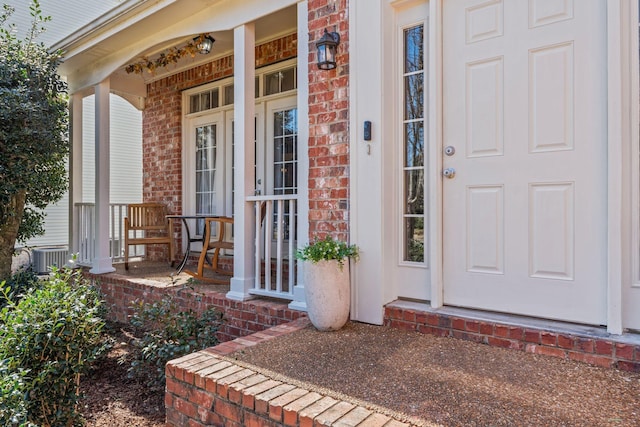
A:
<point x="19" y="283"/>
<point x="48" y="339"/>
<point x="168" y="333"/>
<point x="13" y="406"/>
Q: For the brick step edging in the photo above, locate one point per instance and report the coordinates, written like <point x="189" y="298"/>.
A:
<point x="589" y="345"/>
<point x="206" y="388"/>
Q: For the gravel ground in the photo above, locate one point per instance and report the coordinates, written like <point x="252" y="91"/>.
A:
<point x="452" y="382"/>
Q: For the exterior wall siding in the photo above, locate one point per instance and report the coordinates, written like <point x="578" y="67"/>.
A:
<point x="329" y="125"/>
<point x="126" y="160"/>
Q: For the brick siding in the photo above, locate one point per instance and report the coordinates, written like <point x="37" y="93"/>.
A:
<point x="241" y="317"/>
<point x="329" y="125"/>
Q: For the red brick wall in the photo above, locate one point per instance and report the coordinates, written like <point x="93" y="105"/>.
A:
<point x="162" y="124"/>
<point x="329" y="125"/>
<point x="242" y="318"/>
<point x="605" y="351"/>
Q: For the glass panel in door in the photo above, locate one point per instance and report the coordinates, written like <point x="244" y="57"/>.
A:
<point x="413" y="214"/>
<point x="285" y="162"/>
<point x="206" y="172"/>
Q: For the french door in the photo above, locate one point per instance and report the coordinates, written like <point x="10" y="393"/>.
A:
<point x="209" y="170"/>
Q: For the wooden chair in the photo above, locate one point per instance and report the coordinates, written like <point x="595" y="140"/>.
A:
<point x="147" y="224"/>
<point x="215" y="245"/>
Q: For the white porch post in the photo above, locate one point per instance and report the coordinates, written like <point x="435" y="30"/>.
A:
<point x="102" y="260"/>
<point x="302" y="232"/>
<point x="244" y="175"/>
<point x="75" y="169"/>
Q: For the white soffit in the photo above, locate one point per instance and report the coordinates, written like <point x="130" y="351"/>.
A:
<point x="134" y="29"/>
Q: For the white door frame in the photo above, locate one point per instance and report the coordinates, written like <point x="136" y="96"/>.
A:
<point x="622" y="130"/>
<point x="624" y="165"/>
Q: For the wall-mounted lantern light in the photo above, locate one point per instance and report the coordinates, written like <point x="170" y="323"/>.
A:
<point x="327" y="46"/>
<point x="204" y="43"/>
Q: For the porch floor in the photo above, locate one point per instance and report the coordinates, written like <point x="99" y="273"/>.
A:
<point x="161" y="272"/>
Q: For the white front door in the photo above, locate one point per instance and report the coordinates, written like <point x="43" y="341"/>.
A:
<point x="525" y="112"/>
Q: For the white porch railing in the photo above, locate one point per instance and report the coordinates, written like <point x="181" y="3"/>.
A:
<point x="85" y="214"/>
<point x="276" y="222"/>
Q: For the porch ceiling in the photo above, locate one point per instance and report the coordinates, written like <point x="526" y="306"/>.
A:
<point x="135" y="29"/>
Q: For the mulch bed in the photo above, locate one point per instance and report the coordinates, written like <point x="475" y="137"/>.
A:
<point x="114" y="400"/>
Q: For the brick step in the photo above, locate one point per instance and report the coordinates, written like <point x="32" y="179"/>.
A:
<point x="582" y="343"/>
<point x="205" y="389"/>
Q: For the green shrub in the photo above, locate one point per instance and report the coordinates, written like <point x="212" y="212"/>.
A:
<point x="19" y="283"/>
<point x="168" y="333"/>
<point x="47" y="340"/>
<point x="13" y="407"/>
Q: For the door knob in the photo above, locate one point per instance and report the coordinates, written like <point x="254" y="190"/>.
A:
<point x="449" y="173"/>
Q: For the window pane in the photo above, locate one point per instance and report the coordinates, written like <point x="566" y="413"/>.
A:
<point x="414" y="191"/>
<point x="228" y="95"/>
<point x="215" y="98"/>
<point x="414" y="144"/>
<point x="272" y="83"/>
<point x="290" y="122"/>
<point x="277" y="179"/>
<point x="278" y="123"/>
<point x="205" y="173"/>
<point x="414" y="96"/>
<point x="285" y="148"/>
<point x="288" y="79"/>
<point x="194" y="101"/>
<point x="288" y="173"/>
<point x="205" y="100"/>
<point x="414" y="49"/>
<point x="289" y="148"/>
<point x="278" y="154"/>
<point x="414" y="248"/>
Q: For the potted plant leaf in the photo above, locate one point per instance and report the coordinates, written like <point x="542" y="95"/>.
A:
<point x="326" y="281"/>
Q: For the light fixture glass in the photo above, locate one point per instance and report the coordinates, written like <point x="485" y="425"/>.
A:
<point x="327" y="47"/>
<point x="204" y="43"/>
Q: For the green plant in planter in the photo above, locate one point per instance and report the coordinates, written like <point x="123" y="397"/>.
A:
<point x="328" y="249"/>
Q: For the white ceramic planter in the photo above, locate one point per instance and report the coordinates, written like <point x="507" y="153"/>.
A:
<point x="328" y="294"/>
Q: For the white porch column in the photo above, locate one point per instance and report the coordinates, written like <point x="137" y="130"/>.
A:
<point x="244" y="175"/>
<point x="102" y="260"/>
<point x="75" y="169"/>
<point x="302" y="232"/>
